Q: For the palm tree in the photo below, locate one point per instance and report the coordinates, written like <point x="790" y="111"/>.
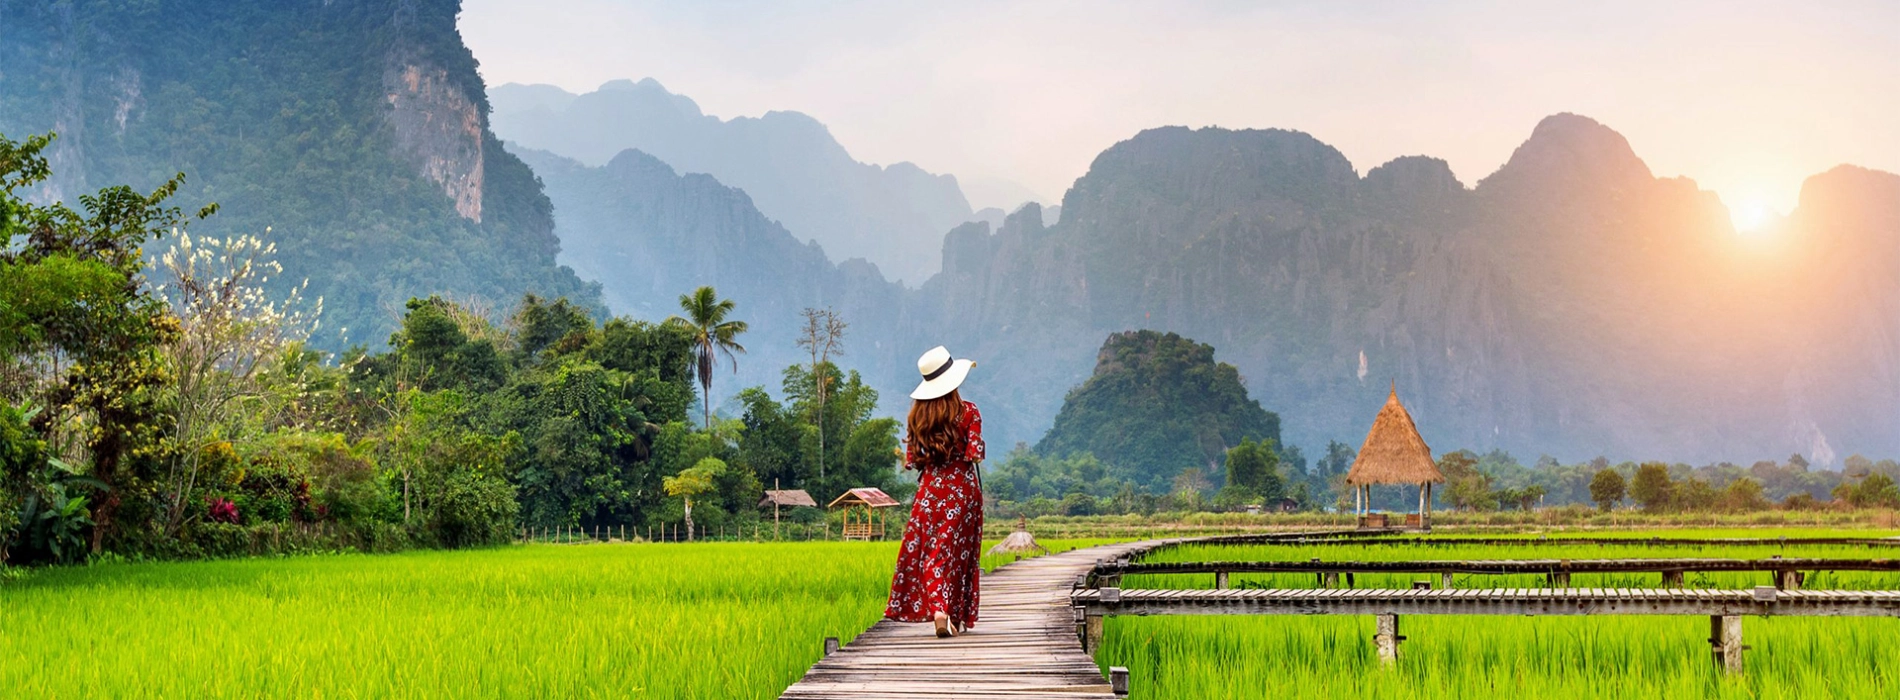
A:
<point x="706" y="319"/>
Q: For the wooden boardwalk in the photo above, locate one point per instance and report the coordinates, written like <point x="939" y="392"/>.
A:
<point x="1024" y="644"/>
<point x="1763" y="601"/>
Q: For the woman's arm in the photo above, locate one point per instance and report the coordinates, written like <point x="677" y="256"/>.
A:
<point x="973" y="433"/>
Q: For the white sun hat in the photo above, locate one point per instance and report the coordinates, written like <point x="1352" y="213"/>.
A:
<point x="942" y="374"/>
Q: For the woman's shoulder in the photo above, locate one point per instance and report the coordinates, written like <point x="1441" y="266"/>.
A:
<point x="969" y="407"/>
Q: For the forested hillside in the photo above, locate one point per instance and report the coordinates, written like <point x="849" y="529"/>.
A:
<point x="1158" y="404"/>
<point x="355" y="131"/>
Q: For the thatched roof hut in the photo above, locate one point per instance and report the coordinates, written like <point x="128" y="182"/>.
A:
<point x="1393" y="452"/>
<point x="788" y="497"/>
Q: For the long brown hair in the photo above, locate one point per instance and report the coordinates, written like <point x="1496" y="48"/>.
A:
<point x="934" y="427"/>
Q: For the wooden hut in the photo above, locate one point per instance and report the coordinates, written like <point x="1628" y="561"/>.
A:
<point x="863" y="512"/>
<point x="1393" y="454"/>
<point x="788" y="498"/>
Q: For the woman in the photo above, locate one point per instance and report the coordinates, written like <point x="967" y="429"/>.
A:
<point x="936" y="579"/>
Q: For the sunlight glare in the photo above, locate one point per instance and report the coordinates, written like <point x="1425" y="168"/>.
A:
<point x="1753" y="218"/>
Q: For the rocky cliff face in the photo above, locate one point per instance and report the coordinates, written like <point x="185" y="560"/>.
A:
<point x="353" y="130"/>
<point x="438" y="128"/>
<point x="794" y="171"/>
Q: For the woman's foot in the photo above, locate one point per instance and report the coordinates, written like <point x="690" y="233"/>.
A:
<point x="943" y="625"/>
<point x="959" y="628"/>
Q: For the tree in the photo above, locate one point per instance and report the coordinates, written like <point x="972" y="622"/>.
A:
<point x="101" y="347"/>
<point x="1652" y="487"/>
<point x="1253" y="474"/>
<point x="692" y="482"/>
<point x="1465" y="486"/>
<point x="1607" y="488"/>
<point x="823" y="336"/>
<point x="1189" y="485"/>
<point x="229" y="328"/>
<point x="712" y="335"/>
<point x="1530" y="496"/>
<point x="1744" y="495"/>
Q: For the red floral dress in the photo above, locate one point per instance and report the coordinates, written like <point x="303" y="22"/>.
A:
<point x="937" y="566"/>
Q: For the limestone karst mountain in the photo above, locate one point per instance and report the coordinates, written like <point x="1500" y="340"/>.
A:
<point x="789" y="164"/>
<point x="1571" y="303"/>
<point x="356" y="131"/>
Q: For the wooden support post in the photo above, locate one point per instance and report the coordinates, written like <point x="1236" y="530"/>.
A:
<point x="1725" y="639"/>
<point x="1329" y="579"/>
<point x="1559" y="579"/>
<point x="1788" y="580"/>
<point x="1118" y="680"/>
<point x="1425" y="585"/>
<point x="831" y="645"/>
<point x="1387" y="639"/>
<point x="1672" y="579"/>
<point x="1349" y="581"/>
<point x="1220" y="580"/>
<point x="1444" y="580"/>
<point x="1092" y="634"/>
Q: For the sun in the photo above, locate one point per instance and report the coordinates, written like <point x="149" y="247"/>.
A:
<point x="1753" y="218"/>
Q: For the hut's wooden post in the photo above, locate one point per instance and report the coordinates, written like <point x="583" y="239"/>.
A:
<point x="1387" y="639"/>
<point x="1220" y="580"/>
<point x="1358" y="500"/>
<point x="1725" y="639"/>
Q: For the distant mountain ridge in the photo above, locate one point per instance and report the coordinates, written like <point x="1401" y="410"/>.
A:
<point x="795" y="172"/>
<point x="1572" y="303"/>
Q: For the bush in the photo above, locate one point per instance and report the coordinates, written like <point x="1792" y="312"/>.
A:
<point x="474" y="509"/>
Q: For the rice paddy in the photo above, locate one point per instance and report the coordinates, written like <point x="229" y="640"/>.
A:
<point x="744" y="620"/>
<point x="1457" y="657"/>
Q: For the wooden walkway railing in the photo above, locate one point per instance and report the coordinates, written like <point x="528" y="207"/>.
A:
<point x="1788" y="573"/>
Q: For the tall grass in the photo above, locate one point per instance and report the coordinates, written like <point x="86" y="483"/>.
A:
<point x="713" y="620"/>
<point x="658" y="621"/>
<point x="1498" y="656"/>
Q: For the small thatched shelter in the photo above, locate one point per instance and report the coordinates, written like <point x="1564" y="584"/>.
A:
<point x="1393" y="454"/>
<point x="1019" y="542"/>
<point x="789" y="498"/>
<point x="861" y="507"/>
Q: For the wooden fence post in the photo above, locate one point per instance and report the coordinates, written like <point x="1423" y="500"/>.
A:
<point x="1672" y="579"/>
<point x="1444" y="580"/>
<point x="831" y="645"/>
<point x="1387" y="639"/>
<point x="1725" y="639"/>
<point x="1220" y="580"/>
<point x="1118" y="680"/>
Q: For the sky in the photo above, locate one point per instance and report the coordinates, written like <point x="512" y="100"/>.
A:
<point x="1747" y="98"/>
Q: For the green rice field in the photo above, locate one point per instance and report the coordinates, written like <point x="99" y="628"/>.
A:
<point x="744" y="620"/>
<point x="1535" y="657"/>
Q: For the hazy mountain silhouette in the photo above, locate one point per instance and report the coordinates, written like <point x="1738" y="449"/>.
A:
<point x="788" y="162"/>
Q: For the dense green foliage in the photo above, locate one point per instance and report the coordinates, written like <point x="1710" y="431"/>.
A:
<point x="781" y="439"/>
<point x="1157" y="404"/>
<point x="468" y="430"/>
<point x="282" y="113"/>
